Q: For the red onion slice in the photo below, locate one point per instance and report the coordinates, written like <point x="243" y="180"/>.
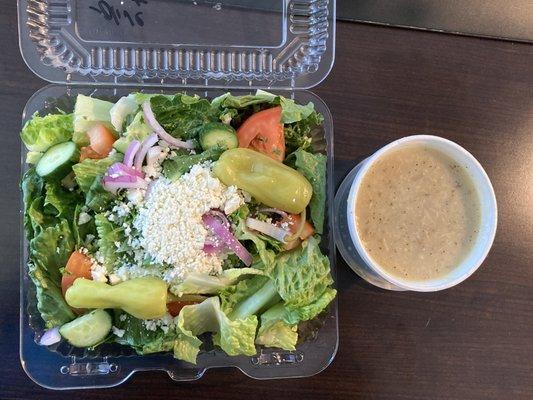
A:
<point x="122" y="170"/>
<point x="123" y="182"/>
<point x="224" y="234"/>
<point x="133" y="148"/>
<point x="50" y="337"/>
<point x="146" y="145"/>
<point x="221" y="216"/>
<point x="266" y="228"/>
<point x="150" y="119"/>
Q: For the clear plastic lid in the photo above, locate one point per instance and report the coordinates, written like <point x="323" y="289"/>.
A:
<point x="284" y="44"/>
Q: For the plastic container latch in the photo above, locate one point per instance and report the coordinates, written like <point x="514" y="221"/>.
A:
<point x="278" y="358"/>
<point x="95" y="367"/>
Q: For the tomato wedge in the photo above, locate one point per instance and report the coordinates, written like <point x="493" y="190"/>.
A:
<point x="174" y="307"/>
<point x="78" y="266"/>
<point x="101" y="139"/>
<point x="293" y="221"/>
<point x="88" y="152"/>
<point x="263" y="132"/>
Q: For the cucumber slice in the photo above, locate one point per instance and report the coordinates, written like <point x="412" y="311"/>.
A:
<point x="87" y="330"/>
<point x="57" y="160"/>
<point x="216" y="134"/>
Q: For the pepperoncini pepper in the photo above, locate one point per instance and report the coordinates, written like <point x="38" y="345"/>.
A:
<point x="268" y="181"/>
<point x="144" y="298"/>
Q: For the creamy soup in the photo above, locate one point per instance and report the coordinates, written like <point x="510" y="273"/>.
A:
<point x="417" y="213"/>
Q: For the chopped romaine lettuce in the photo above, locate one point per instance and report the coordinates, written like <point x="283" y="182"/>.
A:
<point x="121" y="109"/>
<point x="87" y="170"/>
<point x="41" y="133"/>
<point x="108" y="235"/>
<point x="136" y="130"/>
<point x="233" y="336"/>
<point x="274" y="331"/>
<point x="49" y="252"/>
<point x="313" y="167"/>
<point x="182" y="116"/>
<point x="176" y="166"/>
<point x="143" y="340"/>
<point x="89" y="110"/>
<point x="196" y="283"/>
<point x="59" y="201"/>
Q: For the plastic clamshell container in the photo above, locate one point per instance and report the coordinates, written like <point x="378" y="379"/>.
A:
<point x="108" y="49"/>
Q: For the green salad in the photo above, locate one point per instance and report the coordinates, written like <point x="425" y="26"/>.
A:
<point x="160" y="218"/>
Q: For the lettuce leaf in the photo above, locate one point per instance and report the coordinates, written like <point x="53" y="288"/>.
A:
<point x="234" y="337"/>
<point x="313" y="167"/>
<point x="108" y="235"/>
<point x="81" y="232"/>
<point x="302" y="275"/>
<point x="182" y="116"/>
<point x="176" y="166"/>
<point x="299" y="277"/>
<point x="60" y="202"/>
<point x="143" y="340"/>
<point x="298" y="135"/>
<point x="197" y="283"/>
<point x="87" y="170"/>
<point x="259" y="248"/>
<point x="41" y="133"/>
<point x="32" y="186"/>
<point x="39" y="220"/>
<point x="125" y="106"/>
<point x="136" y="130"/>
<point x="249" y="297"/>
<point x="274" y="331"/>
<point x="97" y="198"/>
<point x="290" y="110"/>
<point x="49" y="251"/>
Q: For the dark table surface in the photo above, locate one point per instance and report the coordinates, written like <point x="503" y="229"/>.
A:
<point x="474" y="341"/>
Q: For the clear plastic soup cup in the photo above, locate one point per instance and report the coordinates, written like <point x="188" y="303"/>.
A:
<point x="351" y="247"/>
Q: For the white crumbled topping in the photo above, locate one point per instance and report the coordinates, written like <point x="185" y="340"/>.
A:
<point x="98" y="272"/>
<point x="89" y="239"/>
<point x="83" y="218"/>
<point x="233" y="200"/>
<point x="246" y="196"/>
<point x="122" y="317"/>
<point x="154" y="170"/>
<point x="118" y="332"/>
<point x="136" y="196"/>
<point x="122" y="209"/>
<point x="112" y="152"/>
<point x="170" y="221"/>
<point x="114" y="279"/>
<point x="165" y="323"/>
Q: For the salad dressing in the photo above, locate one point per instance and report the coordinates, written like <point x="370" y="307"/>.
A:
<point x="417" y="213"/>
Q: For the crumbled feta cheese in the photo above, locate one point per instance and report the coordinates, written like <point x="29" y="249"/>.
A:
<point x="136" y="196"/>
<point x="165" y="323"/>
<point x="122" y="317"/>
<point x="233" y="200"/>
<point x="170" y="221"/>
<point x="98" y="271"/>
<point x="118" y="332"/>
<point x="83" y="218"/>
<point x="114" y="279"/>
